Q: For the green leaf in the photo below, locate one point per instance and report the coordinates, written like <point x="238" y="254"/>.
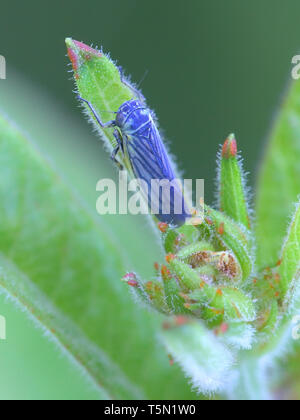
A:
<point x="289" y="268"/>
<point x="239" y="335"/>
<point x="98" y="81"/>
<point x="33" y="367"/>
<point x="279" y="181"/>
<point x="64" y="269"/>
<point x="236" y="239"/>
<point x="172" y="292"/>
<point x="233" y="199"/>
<point x="231" y="303"/>
<point x="251" y="381"/>
<point x="270" y="321"/>
<point x="203" y="358"/>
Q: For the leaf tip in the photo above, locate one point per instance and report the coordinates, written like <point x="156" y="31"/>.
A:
<point x="170" y="257"/>
<point x="131" y="280"/>
<point x="163" y="227"/>
<point x="230" y="147"/>
<point x="79" y="53"/>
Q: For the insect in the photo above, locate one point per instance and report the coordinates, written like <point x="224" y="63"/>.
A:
<point x="138" y="138"/>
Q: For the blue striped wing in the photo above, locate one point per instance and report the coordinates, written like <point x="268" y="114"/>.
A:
<point x="149" y="160"/>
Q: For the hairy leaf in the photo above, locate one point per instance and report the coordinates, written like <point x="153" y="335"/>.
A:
<point x="98" y="81"/>
<point x="279" y="181"/>
<point x="235" y="238"/>
<point x="203" y="358"/>
<point x="233" y="197"/>
<point x="289" y="268"/>
<point x="64" y="269"/>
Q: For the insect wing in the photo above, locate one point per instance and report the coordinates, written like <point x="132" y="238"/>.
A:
<point x="150" y="163"/>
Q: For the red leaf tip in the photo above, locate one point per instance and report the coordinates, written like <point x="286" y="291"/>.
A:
<point x="170" y="257"/>
<point x="165" y="272"/>
<point x="230" y="147"/>
<point x="79" y="52"/>
<point x="221" y="229"/>
<point x="131" y="280"/>
<point x="163" y="227"/>
<point x="87" y="49"/>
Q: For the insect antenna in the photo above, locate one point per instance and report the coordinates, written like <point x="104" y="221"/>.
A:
<point x="143" y="78"/>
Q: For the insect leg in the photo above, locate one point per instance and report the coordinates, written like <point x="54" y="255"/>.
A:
<point x="139" y="95"/>
<point x="119" y="147"/>
<point x="103" y="125"/>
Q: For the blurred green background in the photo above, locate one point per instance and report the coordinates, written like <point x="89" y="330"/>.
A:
<point x="213" y="67"/>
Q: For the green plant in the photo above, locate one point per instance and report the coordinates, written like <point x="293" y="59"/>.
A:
<point x="230" y="292"/>
<point x="222" y="302"/>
